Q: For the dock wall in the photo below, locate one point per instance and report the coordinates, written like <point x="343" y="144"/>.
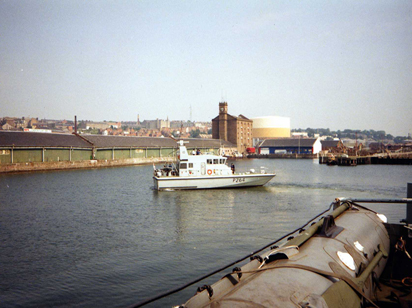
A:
<point x="65" y="165"/>
<point x="286" y="156"/>
<point x="367" y="160"/>
<point x="391" y="161"/>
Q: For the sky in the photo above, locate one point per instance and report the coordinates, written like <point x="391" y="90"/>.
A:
<point x="324" y="64"/>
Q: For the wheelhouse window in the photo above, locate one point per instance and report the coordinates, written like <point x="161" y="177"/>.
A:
<point x="222" y="161"/>
<point x="183" y="165"/>
<point x="209" y="161"/>
<point x="190" y="165"/>
<point x="215" y="161"/>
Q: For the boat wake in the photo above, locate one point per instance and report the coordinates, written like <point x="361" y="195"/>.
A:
<point x="371" y="189"/>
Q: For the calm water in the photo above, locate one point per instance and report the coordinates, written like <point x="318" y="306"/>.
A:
<point x="105" y="238"/>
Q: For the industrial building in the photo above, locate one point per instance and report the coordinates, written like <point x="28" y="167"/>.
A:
<point x="327" y="145"/>
<point x="236" y="130"/>
<point x="290" y="146"/>
<point x="271" y="127"/>
<point x="30" y="147"/>
<point x="155" y="124"/>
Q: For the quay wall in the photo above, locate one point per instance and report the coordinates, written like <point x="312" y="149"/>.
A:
<point x="369" y="160"/>
<point x="65" y="165"/>
<point x="286" y="156"/>
<point x="391" y="161"/>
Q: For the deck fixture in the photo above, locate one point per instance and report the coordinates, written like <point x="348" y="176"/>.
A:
<point x="346" y="259"/>
<point x="382" y="218"/>
<point x="359" y="246"/>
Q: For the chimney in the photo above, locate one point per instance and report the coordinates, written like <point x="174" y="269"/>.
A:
<point x="75" y="124"/>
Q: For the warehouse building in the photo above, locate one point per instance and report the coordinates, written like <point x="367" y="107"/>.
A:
<point x="25" y="147"/>
<point x="290" y="146"/>
<point x="30" y="147"/>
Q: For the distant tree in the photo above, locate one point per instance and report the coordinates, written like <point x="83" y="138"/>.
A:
<point x="348" y="133"/>
<point x="380" y="134"/>
<point x="310" y="131"/>
<point x="195" y="133"/>
<point x="400" y="139"/>
<point x="209" y="131"/>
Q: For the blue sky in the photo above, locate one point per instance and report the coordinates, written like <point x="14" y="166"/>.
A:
<point x="328" y="64"/>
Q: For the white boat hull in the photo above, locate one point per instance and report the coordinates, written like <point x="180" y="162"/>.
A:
<point x="208" y="182"/>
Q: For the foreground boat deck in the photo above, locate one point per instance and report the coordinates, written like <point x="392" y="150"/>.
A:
<point x="395" y="284"/>
<point x="348" y="257"/>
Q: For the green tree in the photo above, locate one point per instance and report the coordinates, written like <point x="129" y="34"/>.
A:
<point x="195" y="133"/>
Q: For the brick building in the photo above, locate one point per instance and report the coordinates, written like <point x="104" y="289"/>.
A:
<point x="237" y="130"/>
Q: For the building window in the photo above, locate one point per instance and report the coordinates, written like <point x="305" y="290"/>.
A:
<point x="183" y="166"/>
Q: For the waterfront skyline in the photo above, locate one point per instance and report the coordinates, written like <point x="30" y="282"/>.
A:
<point x="340" y="65"/>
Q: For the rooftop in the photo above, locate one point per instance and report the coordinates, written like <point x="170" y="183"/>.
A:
<point x="289" y="142"/>
<point x="32" y="139"/>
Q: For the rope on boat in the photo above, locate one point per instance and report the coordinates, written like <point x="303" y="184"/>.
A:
<point x="344" y="278"/>
<point x="170" y="292"/>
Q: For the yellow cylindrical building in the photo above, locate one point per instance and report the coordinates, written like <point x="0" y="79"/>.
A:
<point x="271" y="127"/>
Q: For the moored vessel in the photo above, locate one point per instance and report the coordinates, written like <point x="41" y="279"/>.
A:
<point x="205" y="171"/>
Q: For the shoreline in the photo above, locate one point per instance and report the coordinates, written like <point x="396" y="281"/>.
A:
<point x="71" y="165"/>
<point x="90" y="164"/>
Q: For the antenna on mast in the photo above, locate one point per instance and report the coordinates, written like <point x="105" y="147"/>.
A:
<point x="223" y="99"/>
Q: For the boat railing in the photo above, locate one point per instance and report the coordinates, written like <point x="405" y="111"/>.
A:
<point x="408" y="201"/>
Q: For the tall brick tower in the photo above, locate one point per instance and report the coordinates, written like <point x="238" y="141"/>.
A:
<point x="223" y="121"/>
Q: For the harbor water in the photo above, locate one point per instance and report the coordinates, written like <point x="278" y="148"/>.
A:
<point x="105" y="238"/>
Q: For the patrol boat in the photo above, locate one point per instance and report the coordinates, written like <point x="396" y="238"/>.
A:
<point x="205" y="171"/>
